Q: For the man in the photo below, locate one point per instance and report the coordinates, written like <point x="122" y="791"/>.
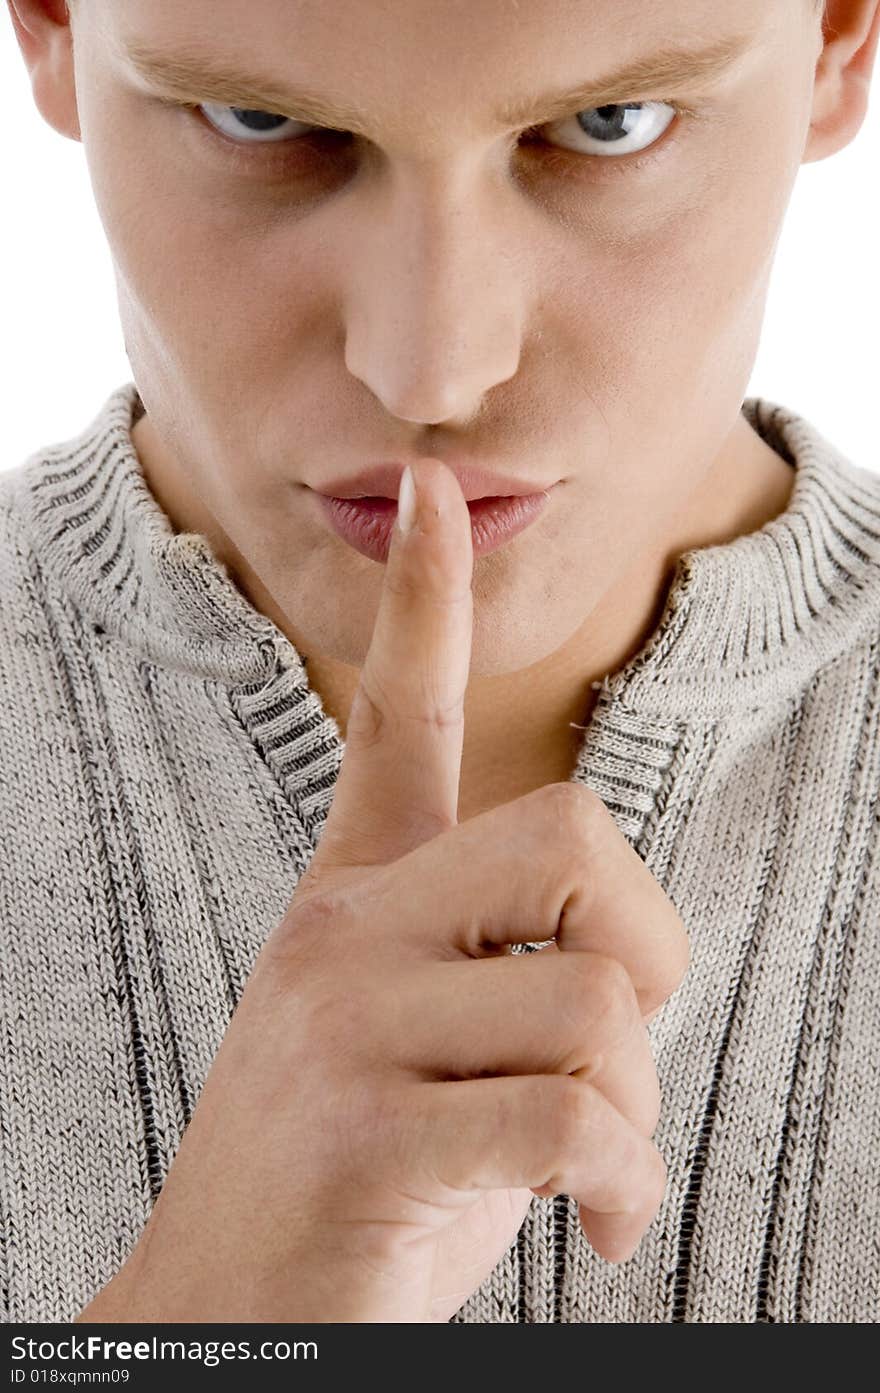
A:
<point x="532" y="243"/>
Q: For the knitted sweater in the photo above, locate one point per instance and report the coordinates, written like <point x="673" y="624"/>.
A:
<point x="165" y="775"/>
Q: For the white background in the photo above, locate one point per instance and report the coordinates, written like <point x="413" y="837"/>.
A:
<point x="61" y="349"/>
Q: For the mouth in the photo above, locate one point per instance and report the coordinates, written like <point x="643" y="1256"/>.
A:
<point x="382" y="481"/>
<point x="366" y="522"/>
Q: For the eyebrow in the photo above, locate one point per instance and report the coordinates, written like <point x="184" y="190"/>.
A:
<point x="193" y="77"/>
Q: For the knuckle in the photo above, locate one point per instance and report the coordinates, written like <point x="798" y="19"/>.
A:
<point x="574" y="816"/>
<point x="435" y="714"/>
<point x="561" y="838"/>
<point x="571" y="801"/>
<point x="315" y="922"/>
<point x="575" y="1117"/>
<point x="404" y="584"/>
<point x="368" y="718"/>
<point x="374" y="713"/>
<point x="317" y="913"/>
<point x="598" y="997"/>
<point x="612" y="994"/>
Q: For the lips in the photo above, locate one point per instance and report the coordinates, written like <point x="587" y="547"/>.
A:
<point x="367" y="523"/>
<point x="383" y="481"/>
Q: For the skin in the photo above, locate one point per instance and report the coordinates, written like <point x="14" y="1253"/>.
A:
<point x="441" y="288"/>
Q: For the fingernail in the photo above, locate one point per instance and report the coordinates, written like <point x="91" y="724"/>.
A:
<point x="406" y="502"/>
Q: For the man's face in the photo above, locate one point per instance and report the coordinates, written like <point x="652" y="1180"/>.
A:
<point x="574" y="300"/>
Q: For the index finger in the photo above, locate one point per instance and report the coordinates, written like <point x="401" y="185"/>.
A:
<point x="399" y="779"/>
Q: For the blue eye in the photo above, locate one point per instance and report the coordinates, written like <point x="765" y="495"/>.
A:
<point x="252" y="127"/>
<point x="622" y="128"/>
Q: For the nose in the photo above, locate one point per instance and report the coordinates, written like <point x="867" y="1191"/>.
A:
<point x="434" y="306"/>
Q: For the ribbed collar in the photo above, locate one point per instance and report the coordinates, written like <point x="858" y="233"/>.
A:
<point x="745" y="622"/>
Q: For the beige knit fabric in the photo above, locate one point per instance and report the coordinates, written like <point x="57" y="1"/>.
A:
<point x="165" y="774"/>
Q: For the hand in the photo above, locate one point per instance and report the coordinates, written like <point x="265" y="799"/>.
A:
<point x="395" y="1085"/>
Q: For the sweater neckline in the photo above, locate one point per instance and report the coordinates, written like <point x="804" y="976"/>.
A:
<point x="745" y="622"/>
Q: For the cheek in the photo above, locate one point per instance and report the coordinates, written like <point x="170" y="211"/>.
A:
<point x="665" y="313"/>
<point x="207" y="297"/>
<point x="200" y="276"/>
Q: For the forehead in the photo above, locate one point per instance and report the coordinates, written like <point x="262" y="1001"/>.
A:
<point x="381" y="60"/>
